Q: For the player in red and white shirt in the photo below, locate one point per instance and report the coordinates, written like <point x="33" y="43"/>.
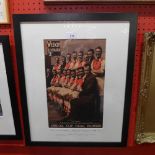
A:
<point x="63" y="61"/>
<point x="75" y="89"/>
<point x="51" y="89"/>
<point x="55" y="84"/>
<point x="74" y="60"/>
<point x="57" y="64"/>
<point x="68" y="61"/>
<point x="63" y="78"/>
<point x="80" y="62"/>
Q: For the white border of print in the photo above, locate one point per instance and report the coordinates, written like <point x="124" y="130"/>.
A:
<point x="6" y="121"/>
<point x="117" y="39"/>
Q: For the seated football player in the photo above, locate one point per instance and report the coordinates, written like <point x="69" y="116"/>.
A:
<point x="51" y="89"/>
<point x="63" y="77"/>
<point x="68" y="95"/>
<point x="72" y="79"/>
<point x="84" y="108"/>
<point x="57" y="85"/>
<point x="76" y="88"/>
<point x="61" y="82"/>
<point x="57" y="63"/>
<point x="63" y="89"/>
<point x="68" y="72"/>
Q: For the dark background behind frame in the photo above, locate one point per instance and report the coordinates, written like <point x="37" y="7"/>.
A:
<point x="146" y="22"/>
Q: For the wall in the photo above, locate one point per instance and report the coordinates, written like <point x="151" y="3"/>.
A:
<point x="146" y="23"/>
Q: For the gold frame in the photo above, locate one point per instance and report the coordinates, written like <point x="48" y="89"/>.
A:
<point x="147" y="63"/>
<point x="102" y="1"/>
<point x="5" y="12"/>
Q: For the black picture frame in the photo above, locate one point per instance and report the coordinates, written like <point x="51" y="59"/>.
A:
<point x="4" y="40"/>
<point x="130" y="17"/>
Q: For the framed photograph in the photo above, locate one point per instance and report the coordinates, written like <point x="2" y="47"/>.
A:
<point x="4" y="12"/>
<point x="145" y="132"/>
<point x="75" y="74"/>
<point x="9" y="114"/>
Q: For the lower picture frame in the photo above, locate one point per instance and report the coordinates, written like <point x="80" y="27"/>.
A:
<point x="72" y="94"/>
<point x="9" y="114"/>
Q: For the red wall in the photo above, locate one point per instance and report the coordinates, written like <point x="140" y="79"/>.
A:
<point x="146" y="23"/>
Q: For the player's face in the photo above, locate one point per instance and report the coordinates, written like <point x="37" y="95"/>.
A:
<point x="74" y="55"/>
<point x="98" y="53"/>
<point x="90" y="54"/>
<point x="57" y="60"/>
<point x="80" y="56"/>
<point x="68" y="56"/>
<point x="86" y="59"/>
<point x="62" y="60"/>
<point x="87" y="70"/>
